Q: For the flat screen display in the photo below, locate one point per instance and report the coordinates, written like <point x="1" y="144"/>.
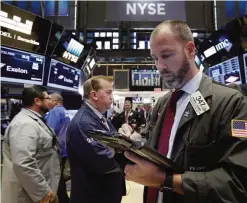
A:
<point x="137" y="100"/>
<point x="89" y="65"/>
<point x="226" y="72"/>
<point x="23" y="30"/>
<point x="55" y="36"/>
<point x="63" y="76"/>
<point x="144" y="78"/>
<point x="69" y="49"/>
<point x="21" y="67"/>
<point x="225" y="43"/>
<point x="245" y="66"/>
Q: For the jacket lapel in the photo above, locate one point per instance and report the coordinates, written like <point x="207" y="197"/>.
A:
<point x="188" y="115"/>
<point x="39" y="121"/>
<point x="206" y="90"/>
<point x="112" y="128"/>
<point x="96" y="118"/>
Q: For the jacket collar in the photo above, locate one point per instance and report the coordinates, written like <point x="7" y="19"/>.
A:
<point x="206" y="90"/>
<point x="100" y="115"/>
<point x="35" y="115"/>
<point x="38" y="118"/>
<point x="97" y="118"/>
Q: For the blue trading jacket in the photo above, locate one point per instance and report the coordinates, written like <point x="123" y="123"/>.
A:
<point x="58" y="119"/>
<point x="95" y="175"/>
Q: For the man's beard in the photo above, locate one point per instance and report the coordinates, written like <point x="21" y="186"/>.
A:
<point x="177" y="80"/>
<point x="43" y="110"/>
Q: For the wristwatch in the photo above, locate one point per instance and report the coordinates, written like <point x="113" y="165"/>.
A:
<point x="167" y="185"/>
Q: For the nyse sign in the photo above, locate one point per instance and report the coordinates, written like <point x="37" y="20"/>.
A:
<point x="70" y="57"/>
<point x="145" y="10"/>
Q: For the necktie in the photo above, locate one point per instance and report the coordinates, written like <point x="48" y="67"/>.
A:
<point x="126" y="117"/>
<point x="163" y="144"/>
<point x="105" y="122"/>
<point x="148" y="117"/>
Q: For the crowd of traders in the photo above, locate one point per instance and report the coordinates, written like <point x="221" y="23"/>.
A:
<point x="199" y="124"/>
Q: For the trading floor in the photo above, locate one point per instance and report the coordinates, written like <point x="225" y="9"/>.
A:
<point x="98" y="96"/>
<point x="134" y="193"/>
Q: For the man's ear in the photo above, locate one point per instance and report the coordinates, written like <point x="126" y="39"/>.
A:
<point x="94" y="95"/>
<point x="190" y="50"/>
<point x="37" y="101"/>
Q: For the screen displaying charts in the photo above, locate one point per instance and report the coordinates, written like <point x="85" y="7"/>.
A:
<point x="63" y="76"/>
<point x="142" y="78"/>
<point x="245" y="66"/>
<point x="226" y="72"/>
<point x="21" y="67"/>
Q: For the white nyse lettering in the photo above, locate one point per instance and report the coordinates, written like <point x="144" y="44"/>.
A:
<point x="152" y="9"/>
<point x="142" y="7"/>
<point x="131" y="8"/>
<point x="161" y="8"/>
<point x="66" y="54"/>
<point x="70" y="56"/>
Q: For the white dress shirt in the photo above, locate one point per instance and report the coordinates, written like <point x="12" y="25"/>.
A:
<point x="191" y="87"/>
<point x="100" y="115"/>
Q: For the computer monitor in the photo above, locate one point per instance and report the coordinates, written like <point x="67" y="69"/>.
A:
<point x="21" y="66"/>
<point x="226" y="72"/>
<point x="63" y="76"/>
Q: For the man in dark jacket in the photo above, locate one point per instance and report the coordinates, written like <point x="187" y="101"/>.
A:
<point x="200" y="125"/>
<point x="95" y="176"/>
<point x="127" y="116"/>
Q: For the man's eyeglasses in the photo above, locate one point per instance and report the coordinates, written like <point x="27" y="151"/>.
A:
<point x="46" y="98"/>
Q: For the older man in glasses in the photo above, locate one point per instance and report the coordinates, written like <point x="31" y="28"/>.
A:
<point x="31" y="166"/>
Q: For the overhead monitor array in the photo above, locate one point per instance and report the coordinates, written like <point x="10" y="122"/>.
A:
<point x="35" y="50"/>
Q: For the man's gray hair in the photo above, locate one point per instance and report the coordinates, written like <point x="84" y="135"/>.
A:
<point x="57" y="97"/>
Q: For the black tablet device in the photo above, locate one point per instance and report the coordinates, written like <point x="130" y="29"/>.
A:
<point x="122" y="143"/>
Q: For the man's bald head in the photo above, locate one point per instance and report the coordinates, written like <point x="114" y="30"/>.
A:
<point x="174" y="27"/>
<point x="56" y="99"/>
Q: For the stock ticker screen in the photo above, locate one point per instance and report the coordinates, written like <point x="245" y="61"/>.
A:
<point x="148" y="78"/>
<point x="63" y="76"/>
<point x="226" y="72"/>
<point x="21" y="67"/>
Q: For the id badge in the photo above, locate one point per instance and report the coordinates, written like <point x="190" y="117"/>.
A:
<point x="198" y="103"/>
